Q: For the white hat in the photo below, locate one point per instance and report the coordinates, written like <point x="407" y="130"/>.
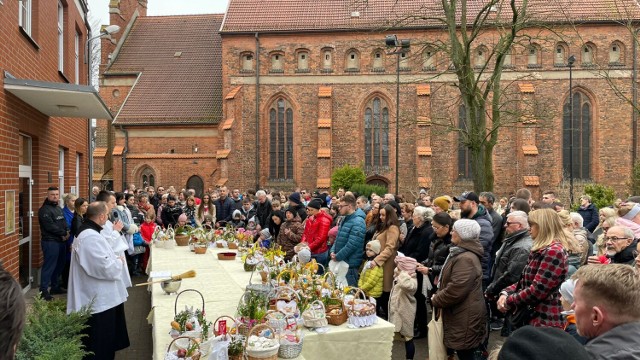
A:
<point x="467" y="229"/>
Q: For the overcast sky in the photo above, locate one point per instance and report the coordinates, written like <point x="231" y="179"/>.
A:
<point x="100" y="8"/>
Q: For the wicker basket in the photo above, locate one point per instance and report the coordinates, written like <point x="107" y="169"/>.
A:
<point x="361" y="313"/>
<point x="216" y="325"/>
<point x="339" y="318"/>
<point x="278" y="323"/>
<point x="315" y="315"/>
<point x="200" y="249"/>
<point x="290" y="298"/>
<point x="182" y="240"/>
<point x="266" y="354"/>
<point x="226" y="256"/>
<point x="195" y="356"/>
<point x="232" y="245"/>
<point x="287" y="351"/>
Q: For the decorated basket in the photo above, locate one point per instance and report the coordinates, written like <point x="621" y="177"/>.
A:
<point x="182" y="239"/>
<point x="286" y="300"/>
<point x="191" y="353"/>
<point x="220" y="326"/>
<point x="200" y="249"/>
<point x="262" y="347"/>
<point x="201" y="329"/>
<point x="315" y="315"/>
<point x="277" y="320"/>
<point x="290" y="345"/>
<point x="336" y="314"/>
<point x="361" y="311"/>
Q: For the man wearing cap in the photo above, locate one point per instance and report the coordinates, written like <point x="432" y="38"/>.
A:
<point x="470" y="208"/>
<point x="605" y="301"/>
<point x="316" y="231"/>
<point x="295" y="203"/>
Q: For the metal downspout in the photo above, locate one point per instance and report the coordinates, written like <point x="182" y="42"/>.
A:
<point x="124" y="157"/>
<point x="257" y="111"/>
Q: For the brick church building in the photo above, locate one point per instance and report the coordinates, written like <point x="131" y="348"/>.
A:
<point x="299" y="89"/>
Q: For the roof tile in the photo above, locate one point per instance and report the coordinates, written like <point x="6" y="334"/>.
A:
<point x="526" y="88"/>
<point x="324" y="123"/>
<point x="324" y="91"/>
<point x="227" y="124"/>
<point x="530" y="150"/>
<point x="99" y="152"/>
<point x="118" y="150"/>
<point x="424" y="151"/>
<point x="232" y="94"/>
<point x="222" y="182"/>
<point x="249" y="16"/>
<point x="323" y="183"/>
<point x="531" y="181"/>
<point x="223" y="154"/>
<point x="423" y="90"/>
<point x="324" y="153"/>
<point x="172" y="90"/>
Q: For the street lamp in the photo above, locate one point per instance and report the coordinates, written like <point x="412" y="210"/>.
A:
<point x="106" y="31"/>
<point x="571" y="60"/>
<point x="400" y="47"/>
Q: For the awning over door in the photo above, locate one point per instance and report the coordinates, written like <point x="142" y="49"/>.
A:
<point x="59" y="99"/>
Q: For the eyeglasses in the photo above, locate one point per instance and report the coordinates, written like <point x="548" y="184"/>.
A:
<point x="510" y="223"/>
<point x="341" y="206"/>
<point x="614" y="238"/>
<point x="437" y="228"/>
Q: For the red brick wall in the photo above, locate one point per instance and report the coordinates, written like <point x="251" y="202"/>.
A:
<point x="611" y="119"/>
<point x="22" y="59"/>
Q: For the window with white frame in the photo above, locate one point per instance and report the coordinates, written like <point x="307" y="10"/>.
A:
<point x="60" y="37"/>
<point x="77" y="174"/>
<point x="24" y="15"/>
<point x="77" y="59"/>
<point x="61" y="173"/>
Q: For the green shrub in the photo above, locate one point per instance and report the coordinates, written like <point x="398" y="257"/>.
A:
<point x="601" y="195"/>
<point x="50" y="333"/>
<point x="367" y="190"/>
<point x="347" y="176"/>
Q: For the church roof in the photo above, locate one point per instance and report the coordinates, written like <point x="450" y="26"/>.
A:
<point x="336" y="15"/>
<point x="178" y="60"/>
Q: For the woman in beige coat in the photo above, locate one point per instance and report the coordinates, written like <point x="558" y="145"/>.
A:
<point x="387" y="233"/>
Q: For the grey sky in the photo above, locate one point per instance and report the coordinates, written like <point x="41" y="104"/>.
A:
<point x="100" y="8"/>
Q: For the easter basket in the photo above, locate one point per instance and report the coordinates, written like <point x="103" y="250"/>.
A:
<point x="361" y="311"/>
<point x="262" y="347"/>
<point x="192" y="352"/>
<point x="315" y="316"/>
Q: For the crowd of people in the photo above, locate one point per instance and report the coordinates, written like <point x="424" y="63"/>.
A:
<point x="485" y="264"/>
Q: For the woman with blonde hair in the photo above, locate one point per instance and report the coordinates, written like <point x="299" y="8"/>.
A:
<point x="604" y="214"/>
<point x="629" y="216"/>
<point x="534" y="299"/>
<point x="578" y="250"/>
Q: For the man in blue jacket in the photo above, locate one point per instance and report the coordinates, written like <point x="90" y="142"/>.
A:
<point x="224" y="207"/>
<point x="350" y="239"/>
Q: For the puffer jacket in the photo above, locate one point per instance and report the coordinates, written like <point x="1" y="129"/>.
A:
<point x="349" y="242"/>
<point x="538" y="286"/>
<point x="460" y="297"/>
<point x="510" y="260"/>
<point x="316" y="232"/>
<point x="170" y="215"/>
<point x="437" y="255"/>
<point x="53" y="226"/>
<point x="370" y="280"/>
<point x="289" y="236"/>
<point x="486" y="239"/>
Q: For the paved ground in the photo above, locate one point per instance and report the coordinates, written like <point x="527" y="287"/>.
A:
<point x="138" y="305"/>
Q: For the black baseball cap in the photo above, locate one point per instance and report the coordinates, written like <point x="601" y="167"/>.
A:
<point x="467" y="195"/>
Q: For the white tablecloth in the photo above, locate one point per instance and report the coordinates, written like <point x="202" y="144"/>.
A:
<point x="222" y="283"/>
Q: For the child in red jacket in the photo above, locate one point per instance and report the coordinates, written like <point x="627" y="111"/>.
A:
<point x="146" y="230"/>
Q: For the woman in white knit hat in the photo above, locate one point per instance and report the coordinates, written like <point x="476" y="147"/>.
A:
<point x="459" y="292"/>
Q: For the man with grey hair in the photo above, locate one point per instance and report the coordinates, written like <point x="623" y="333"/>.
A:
<point x="511" y="258"/>
<point x="620" y="246"/>
<point x="263" y="209"/>
<point x="389" y="197"/>
<point x="363" y="203"/>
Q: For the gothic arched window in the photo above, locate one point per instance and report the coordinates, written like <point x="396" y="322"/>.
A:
<point x="581" y="132"/>
<point x="376" y="134"/>
<point x="280" y="140"/>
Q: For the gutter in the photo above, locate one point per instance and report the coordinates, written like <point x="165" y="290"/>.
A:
<point x="124" y="156"/>
<point x="634" y="110"/>
<point x="257" y="111"/>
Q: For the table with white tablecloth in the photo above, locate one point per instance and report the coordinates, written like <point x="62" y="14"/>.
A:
<point x="222" y="283"/>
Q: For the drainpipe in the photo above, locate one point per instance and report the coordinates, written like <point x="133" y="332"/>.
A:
<point x="124" y="156"/>
<point x="257" y="111"/>
<point x="634" y="107"/>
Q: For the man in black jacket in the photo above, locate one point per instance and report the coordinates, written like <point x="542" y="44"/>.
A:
<point x="511" y="258"/>
<point x="224" y="207"/>
<point x="54" y="232"/>
<point x="295" y="203"/>
<point x="263" y="209"/>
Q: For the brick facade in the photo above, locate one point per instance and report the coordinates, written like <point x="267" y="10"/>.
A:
<point x="428" y="153"/>
<point x="36" y="57"/>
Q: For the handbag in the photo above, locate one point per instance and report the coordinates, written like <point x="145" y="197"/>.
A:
<point x="521" y="316"/>
<point x="437" y="350"/>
